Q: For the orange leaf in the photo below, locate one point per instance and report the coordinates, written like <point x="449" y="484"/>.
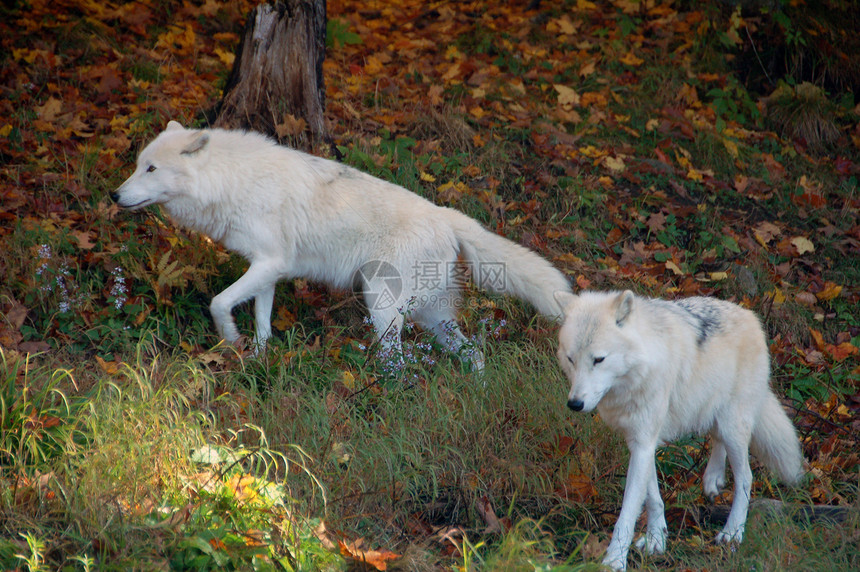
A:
<point x="817" y="338"/>
<point x="376" y="558"/>
<point x="614" y="235"/>
<point x="109" y="367"/>
<point x="842" y="351"/>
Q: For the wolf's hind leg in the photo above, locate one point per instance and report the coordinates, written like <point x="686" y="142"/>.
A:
<point x="442" y="323"/>
<point x="737" y="450"/>
<point x="654" y="540"/>
<point x="714" y="478"/>
<point x="263" y="303"/>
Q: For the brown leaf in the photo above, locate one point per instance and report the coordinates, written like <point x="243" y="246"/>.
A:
<point x="579" y="487"/>
<point x="656" y="222"/>
<point x="765" y="231"/>
<point x="16" y="315"/>
<point x="84" y="239"/>
<point x="50" y="110"/>
<point x="33" y="347"/>
<point x="485" y="510"/>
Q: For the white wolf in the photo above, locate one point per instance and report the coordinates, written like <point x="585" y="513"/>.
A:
<point x="657" y="370"/>
<point x="292" y="215"/>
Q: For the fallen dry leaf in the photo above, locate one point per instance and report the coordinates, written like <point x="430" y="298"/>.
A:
<point x="375" y="558"/>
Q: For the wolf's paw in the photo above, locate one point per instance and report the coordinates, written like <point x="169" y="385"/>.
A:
<point x="653" y="542"/>
<point x="616" y="562"/>
<point x="712" y="485"/>
<point x="733" y="537"/>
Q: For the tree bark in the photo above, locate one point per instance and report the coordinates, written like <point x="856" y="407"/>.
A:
<point x="276" y="85"/>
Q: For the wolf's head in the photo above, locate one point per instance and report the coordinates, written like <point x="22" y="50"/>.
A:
<point x="595" y="352"/>
<point x="163" y="170"/>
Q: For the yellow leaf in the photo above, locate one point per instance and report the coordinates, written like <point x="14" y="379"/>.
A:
<point x="615" y="164"/>
<point x="567" y="97"/>
<point x="694" y="175"/>
<point x="778" y="297"/>
<point x="373" y="66"/>
<point x="427" y="177"/>
<point x="452" y="53"/>
<point x="285" y="319"/>
<point x="803" y="245"/>
<point x="829" y="292"/>
<point x="717" y="276"/>
<point x="338" y="450"/>
<point x="5" y="130"/>
<point x="240" y="486"/>
<point x="631" y="60"/>
<point x="566" y="26"/>
<point x="227" y="58"/>
<point x="591" y="152"/>
<point x="731" y="147"/>
<point x="348" y="380"/>
<point x="670" y="265"/>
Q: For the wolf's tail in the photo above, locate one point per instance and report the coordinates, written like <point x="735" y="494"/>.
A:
<point x="505" y="267"/>
<point x="775" y="442"/>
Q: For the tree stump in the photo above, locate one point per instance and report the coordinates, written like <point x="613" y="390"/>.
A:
<point x="276" y="85"/>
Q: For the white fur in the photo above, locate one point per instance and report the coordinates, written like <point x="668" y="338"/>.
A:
<point x="658" y="370"/>
<point x="295" y="215"/>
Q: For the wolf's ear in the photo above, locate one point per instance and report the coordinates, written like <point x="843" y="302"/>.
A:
<point x="563" y="299"/>
<point x="623" y="306"/>
<point x="196" y="145"/>
<point x="173" y="125"/>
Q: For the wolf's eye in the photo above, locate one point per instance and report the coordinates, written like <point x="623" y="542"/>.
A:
<point x="597" y="360"/>
<point x="150" y="169"/>
<point x="570" y="359"/>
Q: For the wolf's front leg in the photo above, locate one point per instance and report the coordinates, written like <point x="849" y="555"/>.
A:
<point x="258" y="282"/>
<point x="638" y="473"/>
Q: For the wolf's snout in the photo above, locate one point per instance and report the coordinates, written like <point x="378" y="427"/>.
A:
<point x="575" y="404"/>
<point x="114" y="196"/>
